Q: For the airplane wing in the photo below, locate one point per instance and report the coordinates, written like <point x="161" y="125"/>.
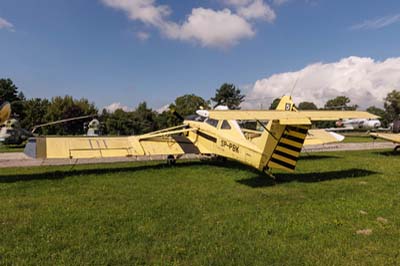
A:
<point x="288" y="117"/>
<point x="338" y="129"/>
<point x="160" y="143"/>
<point x="321" y="136"/>
<point x="336" y="115"/>
<point x="387" y="136"/>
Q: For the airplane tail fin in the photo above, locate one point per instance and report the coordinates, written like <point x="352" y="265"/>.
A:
<point x="283" y="142"/>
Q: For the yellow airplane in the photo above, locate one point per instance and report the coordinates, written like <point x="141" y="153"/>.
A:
<point x="276" y="145"/>
<point x="393" y="137"/>
<point x="5" y="111"/>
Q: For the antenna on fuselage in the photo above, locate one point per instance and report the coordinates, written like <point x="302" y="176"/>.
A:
<point x="294" y="86"/>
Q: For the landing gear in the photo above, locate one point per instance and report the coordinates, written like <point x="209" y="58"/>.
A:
<point x="268" y="172"/>
<point x="171" y="160"/>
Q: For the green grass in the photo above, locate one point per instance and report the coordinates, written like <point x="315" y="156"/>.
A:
<point x="11" y="148"/>
<point x="203" y="214"/>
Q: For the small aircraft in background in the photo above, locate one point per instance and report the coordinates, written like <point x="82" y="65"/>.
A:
<point x="216" y="133"/>
<point x="93" y="128"/>
<point x="393" y="137"/>
<point x="5" y="111"/>
<point x="11" y="132"/>
<point x="359" y="124"/>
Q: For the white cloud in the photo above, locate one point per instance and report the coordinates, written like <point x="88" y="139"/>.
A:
<point x="143" y="36"/>
<point x="377" y="23"/>
<point x="208" y="27"/>
<point x="144" y="10"/>
<point x="257" y="10"/>
<point x="115" y="106"/>
<point x="252" y="9"/>
<point x="211" y="28"/>
<point x="163" y="108"/>
<point x="365" y="81"/>
<point x="4" y="24"/>
<point x="237" y="2"/>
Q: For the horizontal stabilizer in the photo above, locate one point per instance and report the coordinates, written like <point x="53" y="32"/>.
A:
<point x="321" y="136"/>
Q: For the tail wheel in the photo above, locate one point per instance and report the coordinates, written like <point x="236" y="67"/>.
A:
<point x="171" y="160"/>
<point x="267" y="171"/>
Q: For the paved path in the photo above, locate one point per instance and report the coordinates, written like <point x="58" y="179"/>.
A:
<point x="19" y="159"/>
<point x="349" y="146"/>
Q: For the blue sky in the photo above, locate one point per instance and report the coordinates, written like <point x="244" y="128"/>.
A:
<point x="114" y="51"/>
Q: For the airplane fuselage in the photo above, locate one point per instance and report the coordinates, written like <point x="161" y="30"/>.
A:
<point x="359" y="124"/>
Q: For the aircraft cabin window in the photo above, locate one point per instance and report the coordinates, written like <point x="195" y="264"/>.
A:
<point x="212" y="122"/>
<point x="225" y="125"/>
<point x="195" y="118"/>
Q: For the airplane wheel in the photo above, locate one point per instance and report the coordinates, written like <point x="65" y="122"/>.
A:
<point x="221" y="159"/>
<point x="171" y="160"/>
<point x="268" y="172"/>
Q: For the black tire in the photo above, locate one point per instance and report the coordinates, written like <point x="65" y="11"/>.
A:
<point x="171" y="160"/>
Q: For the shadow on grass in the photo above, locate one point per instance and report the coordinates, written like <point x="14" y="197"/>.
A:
<point x="311" y="157"/>
<point x="61" y="174"/>
<point x="388" y="153"/>
<point x="262" y="181"/>
<point x="259" y="179"/>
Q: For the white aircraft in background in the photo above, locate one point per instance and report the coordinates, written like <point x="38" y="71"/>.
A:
<point x="357" y="124"/>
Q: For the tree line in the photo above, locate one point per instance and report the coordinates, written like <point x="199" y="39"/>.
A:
<point x="142" y="119"/>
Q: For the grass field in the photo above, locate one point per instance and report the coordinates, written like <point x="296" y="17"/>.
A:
<point x="11" y="148"/>
<point x="204" y="214"/>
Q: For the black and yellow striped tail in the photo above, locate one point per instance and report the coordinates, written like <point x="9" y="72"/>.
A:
<point x="288" y="149"/>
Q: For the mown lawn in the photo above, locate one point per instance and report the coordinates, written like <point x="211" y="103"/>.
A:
<point x="204" y="214"/>
<point x="11" y="148"/>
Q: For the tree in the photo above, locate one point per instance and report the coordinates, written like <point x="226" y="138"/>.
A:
<point x="307" y="106"/>
<point x="166" y="119"/>
<point x="229" y="95"/>
<point x="379" y="112"/>
<point x="144" y="119"/>
<point x="392" y="105"/>
<point x="35" y="111"/>
<point x="185" y="105"/>
<point x="119" y="123"/>
<point x="68" y="107"/>
<point x="341" y="103"/>
<point x="274" y="104"/>
<point x="9" y="92"/>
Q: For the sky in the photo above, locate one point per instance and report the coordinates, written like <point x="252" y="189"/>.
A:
<point x="119" y="53"/>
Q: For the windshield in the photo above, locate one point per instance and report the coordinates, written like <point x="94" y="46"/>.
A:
<point x="195" y="118"/>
